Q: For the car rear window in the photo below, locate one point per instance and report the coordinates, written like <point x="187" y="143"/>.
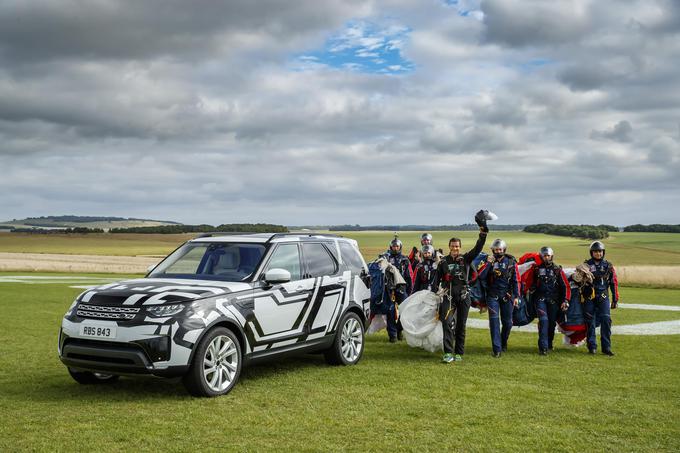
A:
<point x="319" y="261"/>
<point x="351" y="257"/>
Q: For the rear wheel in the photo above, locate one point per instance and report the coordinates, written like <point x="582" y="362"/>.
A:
<point x="348" y="345"/>
<point x="216" y="365"/>
<point x="89" y="378"/>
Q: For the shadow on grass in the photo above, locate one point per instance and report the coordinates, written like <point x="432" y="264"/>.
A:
<point x="58" y="385"/>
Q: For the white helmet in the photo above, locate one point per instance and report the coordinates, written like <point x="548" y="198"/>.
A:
<point x="499" y="244"/>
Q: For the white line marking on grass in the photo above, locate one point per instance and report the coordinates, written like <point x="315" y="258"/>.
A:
<point x="647" y="328"/>
<point x="651" y="307"/>
<point x="44" y="280"/>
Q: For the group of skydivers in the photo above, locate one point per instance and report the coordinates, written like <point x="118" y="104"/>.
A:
<point x="549" y="291"/>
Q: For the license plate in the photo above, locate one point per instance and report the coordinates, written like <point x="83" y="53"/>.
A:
<point x="98" y="331"/>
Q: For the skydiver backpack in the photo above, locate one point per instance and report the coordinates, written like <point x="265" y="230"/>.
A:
<point x="378" y="281"/>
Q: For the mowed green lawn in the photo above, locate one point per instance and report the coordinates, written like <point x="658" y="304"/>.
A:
<point x="660" y="249"/>
<point x="396" y="399"/>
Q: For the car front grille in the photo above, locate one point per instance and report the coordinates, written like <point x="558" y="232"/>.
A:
<point x="104" y="312"/>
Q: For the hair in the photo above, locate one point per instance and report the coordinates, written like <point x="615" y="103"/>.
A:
<point x="455" y="240"/>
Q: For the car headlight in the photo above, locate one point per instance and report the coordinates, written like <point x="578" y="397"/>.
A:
<point x="165" y="310"/>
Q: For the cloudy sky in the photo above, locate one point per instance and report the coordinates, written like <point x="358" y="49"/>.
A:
<point x="318" y="112"/>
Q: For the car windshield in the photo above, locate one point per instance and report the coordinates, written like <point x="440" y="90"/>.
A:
<point x="231" y="262"/>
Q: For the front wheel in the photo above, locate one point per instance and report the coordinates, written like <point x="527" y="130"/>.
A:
<point x="216" y="365"/>
<point x="90" y="378"/>
<point x="348" y="345"/>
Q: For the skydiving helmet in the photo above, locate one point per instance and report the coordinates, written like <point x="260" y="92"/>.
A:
<point x="427" y="249"/>
<point x="597" y="245"/>
<point x="545" y="252"/>
<point x="395" y="243"/>
<point x="426" y="239"/>
<point x="499" y="244"/>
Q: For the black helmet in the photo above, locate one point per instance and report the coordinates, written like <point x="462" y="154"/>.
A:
<point x="595" y="246"/>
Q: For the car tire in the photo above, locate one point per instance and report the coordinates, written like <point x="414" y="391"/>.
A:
<point x="90" y="378"/>
<point x="216" y="365"/>
<point x="348" y="344"/>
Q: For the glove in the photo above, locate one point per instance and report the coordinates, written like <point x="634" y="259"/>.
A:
<point x="615" y="303"/>
<point x="480" y="218"/>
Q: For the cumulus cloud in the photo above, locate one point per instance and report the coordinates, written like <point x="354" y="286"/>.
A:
<point x="216" y="112"/>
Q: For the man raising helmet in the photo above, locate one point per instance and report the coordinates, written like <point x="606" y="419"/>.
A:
<point x="598" y="308"/>
<point x="454" y="272"/>
<point x="503" y="289"/>
<point x="550" y="291"/>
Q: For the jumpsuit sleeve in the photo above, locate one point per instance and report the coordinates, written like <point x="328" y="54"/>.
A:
<point x="614" y="285"/>
<point x="408" y="276"/>
<point x="439" y="278"/>
<point x="416" y="279"/>
<point x="472" y="254"/>
<point x="515" y="282"/>
<point x="564" y="286"/>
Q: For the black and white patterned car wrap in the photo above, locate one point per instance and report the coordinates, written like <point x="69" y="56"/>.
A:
<point x="268" y="319"/>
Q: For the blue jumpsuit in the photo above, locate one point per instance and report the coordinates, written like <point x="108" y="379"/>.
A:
<point x="402" y="263"/>
<point x="549" y="291"/>
<point x="503" y="286"/>
<point x="597" y="310"/>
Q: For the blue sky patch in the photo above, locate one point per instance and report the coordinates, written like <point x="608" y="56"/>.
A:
<point x="363" y="46"/>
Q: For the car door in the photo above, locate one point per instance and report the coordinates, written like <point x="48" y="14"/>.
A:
<point x="279" y="309"/>
<point x="330" y="284"/>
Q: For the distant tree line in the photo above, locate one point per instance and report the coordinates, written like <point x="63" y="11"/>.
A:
<point x="464" y="227"/>
<point x="74" y="230"/>
<point x="204" y="228"/>
<point x="64" y="220"/>
<point x="653" y="228"/>
<point x="577" y="231"/>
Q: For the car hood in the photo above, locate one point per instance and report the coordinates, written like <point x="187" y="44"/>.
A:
<point x="157" y="291"/>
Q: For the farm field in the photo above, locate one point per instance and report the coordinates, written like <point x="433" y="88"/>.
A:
<point x="397" y="398"/>
<point x="643" y="259"/>
<point x="656" y="249"/>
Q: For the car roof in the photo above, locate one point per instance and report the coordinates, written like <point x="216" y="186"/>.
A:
<point x="262" y="238"/>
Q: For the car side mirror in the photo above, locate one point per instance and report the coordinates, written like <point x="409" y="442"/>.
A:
<point x="277" y="275"/>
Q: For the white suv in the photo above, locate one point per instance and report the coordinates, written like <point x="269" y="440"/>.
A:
<point x="218" y="303"/>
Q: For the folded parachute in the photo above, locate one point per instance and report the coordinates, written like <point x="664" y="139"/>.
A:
<point x="419" y="315"/>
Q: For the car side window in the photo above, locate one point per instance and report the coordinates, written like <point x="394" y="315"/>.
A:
<point x="351" y="258"/>
<point x="286" y="256"/>
<point x="318" y="260"/>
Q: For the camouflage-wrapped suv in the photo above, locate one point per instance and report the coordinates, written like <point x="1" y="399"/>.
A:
<point x="218" y="303"/>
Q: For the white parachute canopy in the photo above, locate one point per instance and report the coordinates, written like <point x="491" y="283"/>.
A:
<point x="420" y="320"/>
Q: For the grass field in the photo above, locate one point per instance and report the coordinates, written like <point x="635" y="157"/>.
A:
<point x="395" y="399"/>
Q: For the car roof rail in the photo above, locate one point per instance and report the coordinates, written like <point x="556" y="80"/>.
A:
<point x="310" y="235"/>
<point x="225" y="233"/>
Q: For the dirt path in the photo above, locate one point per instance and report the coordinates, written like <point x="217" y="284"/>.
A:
<point x="46" y="262"/>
